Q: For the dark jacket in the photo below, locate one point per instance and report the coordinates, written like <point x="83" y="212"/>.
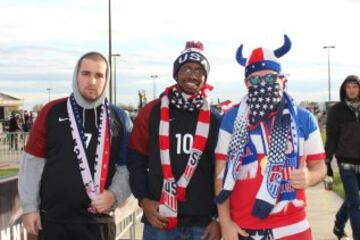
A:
<point x="144" y="162"/>
<point x="62" y="192"/>
<point x="343" y="131"/>
<point x="13" y="124"/>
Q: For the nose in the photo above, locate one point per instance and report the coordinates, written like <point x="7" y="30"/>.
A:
<point x="92" y="80"/>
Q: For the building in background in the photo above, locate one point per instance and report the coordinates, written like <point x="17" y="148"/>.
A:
<point x="9" y="104"/>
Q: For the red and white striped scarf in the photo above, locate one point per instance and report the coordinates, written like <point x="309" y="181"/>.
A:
<point x="173" y="191"/>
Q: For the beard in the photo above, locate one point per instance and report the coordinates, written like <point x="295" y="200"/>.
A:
<point x="263" y="100"/>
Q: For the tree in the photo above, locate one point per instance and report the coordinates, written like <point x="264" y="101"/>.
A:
<point x="37" y="107"/>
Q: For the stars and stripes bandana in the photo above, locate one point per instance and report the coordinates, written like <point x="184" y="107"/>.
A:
<point x="285" y="124"/>
<point x="96" y="185"/>
<point x="263" y="99"/>
<point x="173" y="191"/>
<point x="180" y="101"/>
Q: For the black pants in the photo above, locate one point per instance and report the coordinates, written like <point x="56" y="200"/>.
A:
<point x="77" y="231"/>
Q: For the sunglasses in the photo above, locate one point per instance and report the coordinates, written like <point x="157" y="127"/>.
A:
<point x="268" y="78"/>
<point x="187" y="71"/>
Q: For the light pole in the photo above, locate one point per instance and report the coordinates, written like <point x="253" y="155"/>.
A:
<point x="49" y="90"/>
<point x="154" y="84"/>
<point x="115" y="55"/>
<point x="110" y="64"/>
<point x="329" y="73"/>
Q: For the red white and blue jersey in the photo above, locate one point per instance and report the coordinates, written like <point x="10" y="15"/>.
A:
<point x="290" y="208"/>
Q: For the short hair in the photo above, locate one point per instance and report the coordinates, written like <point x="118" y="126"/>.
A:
<point x="95" y="56"/>
<point x="352" y="79"/>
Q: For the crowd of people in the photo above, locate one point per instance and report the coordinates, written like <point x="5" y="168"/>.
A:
<point x="196" y="173"/>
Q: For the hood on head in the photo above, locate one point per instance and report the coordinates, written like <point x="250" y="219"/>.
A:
<point x="79" y="99"/>
<point x="348" y="79"/>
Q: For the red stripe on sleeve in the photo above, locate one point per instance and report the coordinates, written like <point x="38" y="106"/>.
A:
<point x="220" y="156"/>
<point x="37" y="142"/>
<point x="313" y="157"/>
<point x="139" y="138"/>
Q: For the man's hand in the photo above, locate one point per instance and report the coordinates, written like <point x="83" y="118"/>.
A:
<point x="150" y="209"/>
<point x="212" y="231"/>
<point x="231" y="231"/>
<point x="104" y="201"/>
<point x="32" y="222"/>
<point x="300" y="178"/>
<point x="309" y="174"/>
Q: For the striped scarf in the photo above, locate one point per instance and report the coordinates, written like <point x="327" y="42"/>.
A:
<point x="285" y="124"/>
<point x="93" y="185"/>
<point x="172" y="190"/>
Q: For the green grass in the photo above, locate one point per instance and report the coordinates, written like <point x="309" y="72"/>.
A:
<point x="337" y="185"/>
<point x="323" y="135"/>
<point x="8" y="172"/>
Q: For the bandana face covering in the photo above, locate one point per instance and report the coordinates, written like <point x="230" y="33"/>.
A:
<point x="263" y="99"/>
<point x="186" y="104"/>
<point x="275" y="180"/>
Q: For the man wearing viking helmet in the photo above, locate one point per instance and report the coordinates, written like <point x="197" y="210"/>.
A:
<point x="269" y="150"/>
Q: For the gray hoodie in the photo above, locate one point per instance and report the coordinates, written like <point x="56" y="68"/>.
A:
<point x="31" y="167"/>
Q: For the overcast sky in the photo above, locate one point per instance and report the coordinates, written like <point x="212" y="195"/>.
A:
<point x="42" y="40"/>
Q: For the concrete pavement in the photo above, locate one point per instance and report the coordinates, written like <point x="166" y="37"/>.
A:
<point x="322" y="206"/>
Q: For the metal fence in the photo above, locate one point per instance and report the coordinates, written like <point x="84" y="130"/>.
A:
<point x="126" y="219"/>
<point x="11" y="148"/>
<point x="11" y="228"/>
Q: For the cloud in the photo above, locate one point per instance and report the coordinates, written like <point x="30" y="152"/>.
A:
<point x="42" y="41"/>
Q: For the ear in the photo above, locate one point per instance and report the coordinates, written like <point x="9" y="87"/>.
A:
<point x="247" y="83"/>
<point x="176" y="77"/>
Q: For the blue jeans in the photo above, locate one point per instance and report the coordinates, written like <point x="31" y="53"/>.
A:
<point x="341" y="217"/>
<point x="351" y="183"/>
<point x="179" y="233"/>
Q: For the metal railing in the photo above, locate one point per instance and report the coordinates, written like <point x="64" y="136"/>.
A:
<point x="11" y="148"/>
<point x="126" y="217"/>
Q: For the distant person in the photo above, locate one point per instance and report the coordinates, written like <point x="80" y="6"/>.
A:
<point x="13" y="129"/>
<point x="171" y="155"/>
<point x="26" y="126"/>
<point x="268" y="152"/>
<point x="73" y="171"/>
<point x="343" y="141"/>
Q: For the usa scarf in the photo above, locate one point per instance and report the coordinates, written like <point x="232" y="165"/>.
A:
<point x="269" y="191"/>
<point x="96" y="185"/>
<point x="173" y="191"/>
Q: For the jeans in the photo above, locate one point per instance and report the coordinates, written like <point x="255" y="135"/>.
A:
<point x="351" y="183"/>
<point x="341" y="217"/>
<point x="77" y="231"/>
<point x="179" y="233"/>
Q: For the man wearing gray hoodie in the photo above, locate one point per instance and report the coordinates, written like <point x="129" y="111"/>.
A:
<point x="73" y="171"/>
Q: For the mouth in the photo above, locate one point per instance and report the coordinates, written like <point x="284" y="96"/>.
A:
<point x="91" y="90"/>
<point x="192" y="84"/>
